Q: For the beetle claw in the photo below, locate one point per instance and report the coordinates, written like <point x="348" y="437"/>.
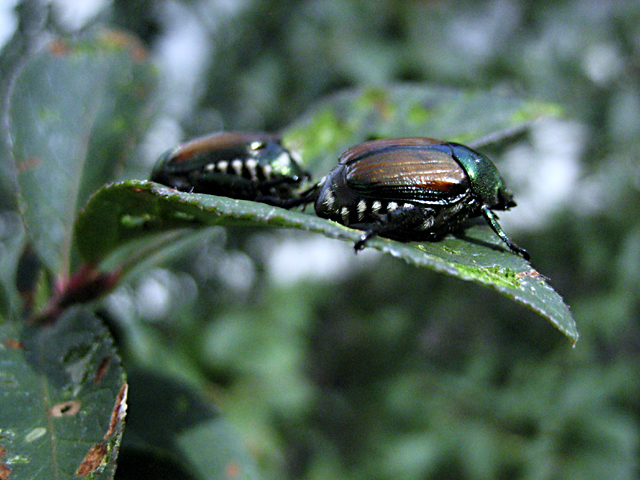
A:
<point x="361" y="243"/>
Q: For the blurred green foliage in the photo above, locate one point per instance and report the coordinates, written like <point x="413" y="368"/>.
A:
<point x="336" y="366"/>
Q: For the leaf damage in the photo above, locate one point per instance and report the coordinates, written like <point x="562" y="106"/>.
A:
<point x="66" y="409"/>
<point x="5" y="471"/>
<point x="102" y="369"/>
<point x="119" y="411"/>
<point x="93" y="459"/>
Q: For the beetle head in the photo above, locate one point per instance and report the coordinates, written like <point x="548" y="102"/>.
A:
<point x="486" y="181"/>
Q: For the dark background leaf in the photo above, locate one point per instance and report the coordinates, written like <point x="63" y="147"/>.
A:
<point x="75" y="110"/>
<point x="190" y="436"/>
<point x="407" y="110"/>
<point x="62" y="394"/>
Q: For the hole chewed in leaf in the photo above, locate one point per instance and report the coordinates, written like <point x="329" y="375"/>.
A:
<point x="66" y="409"/>
<point x="93" y="459"/>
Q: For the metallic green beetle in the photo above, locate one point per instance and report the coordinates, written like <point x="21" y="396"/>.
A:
<point x="412" y="189"/>
<point x="248" y="166"/>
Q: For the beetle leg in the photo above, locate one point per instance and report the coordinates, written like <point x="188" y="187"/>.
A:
<point x="174" y="182"/>
<point x="306" y="197"/>
<point x="406" y="217"/>
<point x="492" y="220"/>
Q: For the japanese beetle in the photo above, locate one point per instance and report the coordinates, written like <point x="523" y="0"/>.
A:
<point x="412" y="189"/>
<point x="247" y="166"/>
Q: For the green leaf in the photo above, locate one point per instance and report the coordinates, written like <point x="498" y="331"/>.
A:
<point x="63" y="399"/>
<point x="11" y="249"/>
<point x="355" y="116"/>
<point x="75" y="111"/>
<point x="171" y="428"/>
<point x="132" y="210"/>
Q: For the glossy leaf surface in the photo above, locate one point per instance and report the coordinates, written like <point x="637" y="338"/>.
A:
<point x="131" y="210"/>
